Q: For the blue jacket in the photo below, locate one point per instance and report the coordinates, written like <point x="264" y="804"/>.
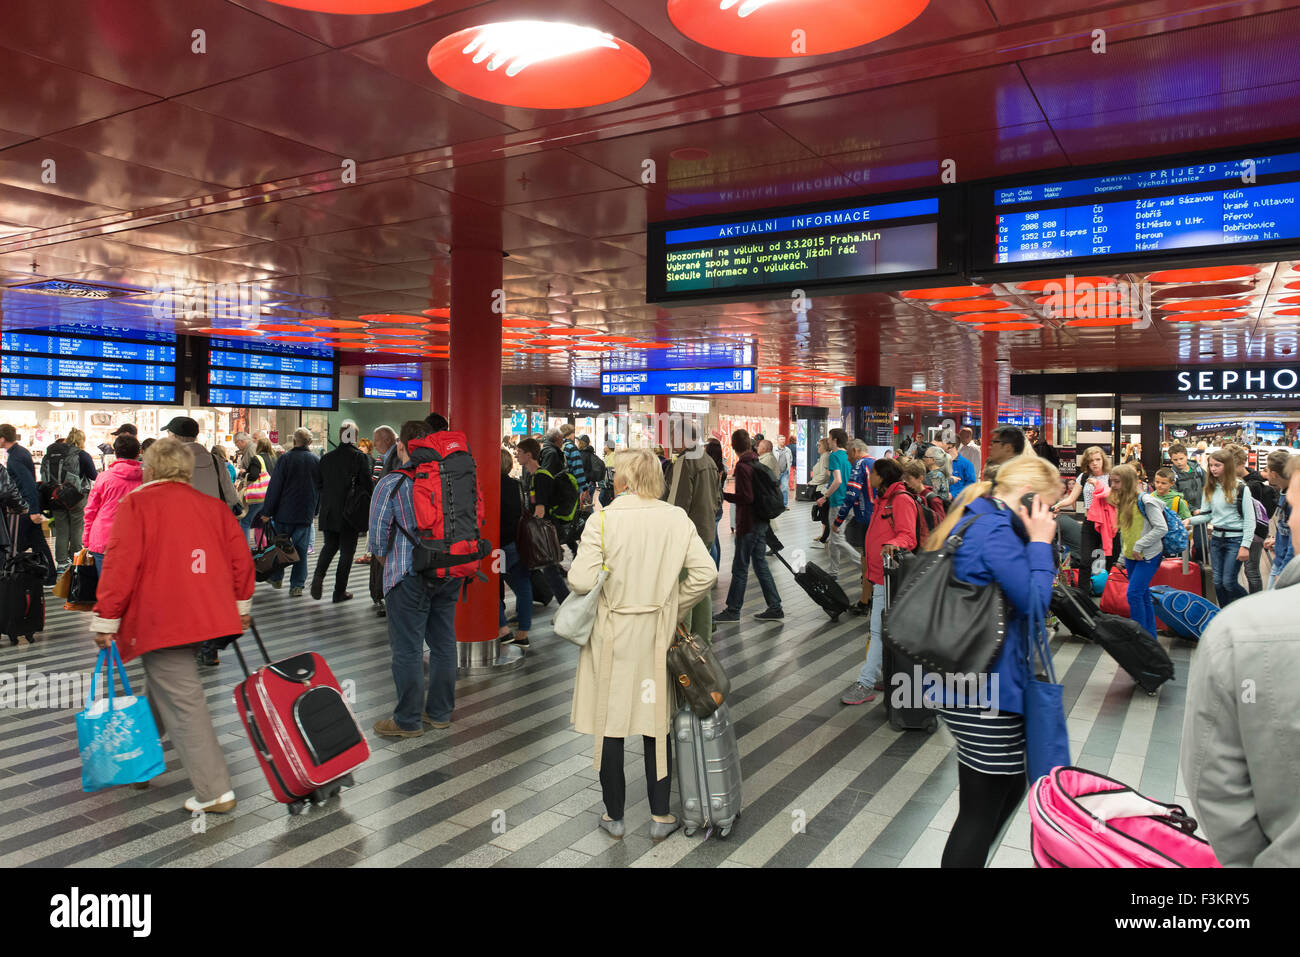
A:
<point x="994" y="551"/>
<point x="963" y="474"/>
<point x="858" y="498"/>
<point x="293" y="497"/>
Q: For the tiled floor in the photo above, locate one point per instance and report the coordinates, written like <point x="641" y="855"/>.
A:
<point x="511" y="784"/>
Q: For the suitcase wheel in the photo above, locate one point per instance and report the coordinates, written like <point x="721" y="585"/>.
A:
<point x="836" y="616"/>
<point x="296" y="808"/>
<point x="724" y="833"/>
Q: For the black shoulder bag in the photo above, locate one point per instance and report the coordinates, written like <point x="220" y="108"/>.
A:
<point x="948" y="625"/>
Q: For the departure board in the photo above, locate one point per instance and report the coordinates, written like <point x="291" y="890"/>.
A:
<point x="270" y="375"/>
<point x="378" y="387"/>
<point x="679" y="382"/>
<point x="1209" y="205"/>
<point x="767" y="251"/>
<point x="92" y="362"/>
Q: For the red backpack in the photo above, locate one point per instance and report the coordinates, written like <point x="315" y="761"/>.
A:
<point x="448" y="507"/>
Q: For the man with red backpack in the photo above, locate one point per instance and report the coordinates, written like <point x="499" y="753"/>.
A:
<point x="426" y="518"/>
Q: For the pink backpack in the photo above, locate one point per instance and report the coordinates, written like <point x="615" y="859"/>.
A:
<point x="1082" y="819"/>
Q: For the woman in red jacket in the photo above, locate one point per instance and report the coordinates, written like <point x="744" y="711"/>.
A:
<point x="169" y="585"/>
<point x="893" y="526"/>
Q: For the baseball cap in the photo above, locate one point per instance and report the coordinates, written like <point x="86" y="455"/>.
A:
<point x="182" y="426"/>
<point x="127" y="429"/>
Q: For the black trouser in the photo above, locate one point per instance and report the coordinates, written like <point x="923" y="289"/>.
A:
<point x="343" y="544"/>
<point x="613" y="785"/>
<point x="986" y="803"/>
<point x="1091" y="546"/>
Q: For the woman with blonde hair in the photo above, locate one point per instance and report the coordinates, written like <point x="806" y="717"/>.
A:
<point x="657" y="569"/>
<point x="1008" y="545"/>
<point x="1230" y="509"/>
<point x="1142" y="528"/>
<point x="1094" y="474"/>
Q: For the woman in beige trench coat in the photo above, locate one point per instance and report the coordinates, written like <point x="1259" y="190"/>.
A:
<point x="658" y="568"/>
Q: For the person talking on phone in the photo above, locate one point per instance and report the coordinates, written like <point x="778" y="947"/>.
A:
<point x="1010" y="543"/>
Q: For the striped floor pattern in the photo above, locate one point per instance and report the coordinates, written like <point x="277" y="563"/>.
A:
<point x="511" y="784"/>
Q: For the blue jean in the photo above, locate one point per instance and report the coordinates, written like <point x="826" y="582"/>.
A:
<point x="254" y="509"/>
<point x="520" y="581"/>
<point x="1140" y="574"/>
<point x="99" y="563"/>
<point x="785" y="489"/>
<point x="1223" y="559"/>
<point x="870" y="672"/>
<point x="301" y="535"/>
<point x="423" y="612"/>
<point x="751" y="548"/>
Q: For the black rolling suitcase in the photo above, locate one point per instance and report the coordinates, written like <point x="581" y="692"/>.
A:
<point x="1124" y="639"/>
<point x="1076" y="609"/>
<point x="22" y="588"/>
<point x="819" y="584"/>
<point x="914" y="716"/>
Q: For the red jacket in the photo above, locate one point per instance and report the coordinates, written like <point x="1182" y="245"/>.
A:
<point x="177" y="570"/>
<point x="893" y="522"/>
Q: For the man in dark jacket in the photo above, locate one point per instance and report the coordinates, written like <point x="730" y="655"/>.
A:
<point x="1042" y="448"/>
<point x="21" y="468"/>
<point x="541" y="494"/>
<point x="341" y="471"/>
<point x="751" y="540"/>
<point x="292" y="500"/>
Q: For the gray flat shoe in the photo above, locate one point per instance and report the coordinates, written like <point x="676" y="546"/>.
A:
<point x="613" y="828"/>
<point x="660" y="831"/>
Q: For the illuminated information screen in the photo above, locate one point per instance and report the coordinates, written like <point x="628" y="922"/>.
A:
<point x="91" y="362"/>
<point x="1226" y="203"/>
<point x="797" y="249"/>
<point x="262" y="375"/>
<point x="678" y="382"/>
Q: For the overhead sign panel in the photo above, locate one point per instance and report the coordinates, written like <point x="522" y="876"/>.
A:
<point x="777" y="251"/>
<point x="266" y="375"/>
<point x="679" y="382"/>
<point x="1233" y="383"/>
<point x="91" y="362"/>
<point x="401" y="382"/>
<point x="1142" y="211"/>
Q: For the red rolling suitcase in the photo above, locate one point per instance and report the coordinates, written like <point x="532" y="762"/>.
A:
<point x="1180" y="574"/>
<point x="306" y="737"/>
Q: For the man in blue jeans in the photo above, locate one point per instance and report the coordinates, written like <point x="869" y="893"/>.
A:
<point x="292" y="500"/>
<point x="421" y="611"/>
<point x="751" y="540"/>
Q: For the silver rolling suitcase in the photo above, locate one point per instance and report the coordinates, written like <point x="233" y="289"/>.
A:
<point x="708" y="771"/>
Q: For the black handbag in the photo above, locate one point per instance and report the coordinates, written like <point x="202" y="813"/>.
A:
<point x="818" y="512"/>
<point x="537" y="542"/>
<point x="698" y="674"/>
<point x="948" y="625"/>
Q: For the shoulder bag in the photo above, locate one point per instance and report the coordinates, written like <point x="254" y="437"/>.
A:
<point x="356" y="507"/>
<point x="576" y="616"/>
<point x="1047" y="739"/>
<point x="948" y="625"/>
<point x="697" y="673"/>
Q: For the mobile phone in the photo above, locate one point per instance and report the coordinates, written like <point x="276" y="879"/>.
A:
<point x="1027" y="500"/>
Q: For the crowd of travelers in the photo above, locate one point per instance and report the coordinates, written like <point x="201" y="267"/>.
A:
<point x="643" y="526"/>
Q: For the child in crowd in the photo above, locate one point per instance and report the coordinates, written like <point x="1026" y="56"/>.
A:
<point x="1164" y="490"/>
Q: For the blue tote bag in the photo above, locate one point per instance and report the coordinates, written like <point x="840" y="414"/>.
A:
<point x="1047" y="741"/>
<point x="117" y="736"/>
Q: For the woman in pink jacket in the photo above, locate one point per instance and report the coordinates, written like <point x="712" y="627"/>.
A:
<point x="113" y="485"/>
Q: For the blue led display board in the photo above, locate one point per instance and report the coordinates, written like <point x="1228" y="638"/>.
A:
<point x="679" y="382"/>
<point x="407" y="390"/>
<point x="816" y="246"/>
<point x="1232" y="201"/>
<point x="91" y="362"/>
<point x="269" y="375"/>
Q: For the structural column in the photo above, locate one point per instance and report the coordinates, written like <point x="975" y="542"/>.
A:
<point x="989" y="397"/>
<point x="440" y="388"/>
<point x="474" y="407"/>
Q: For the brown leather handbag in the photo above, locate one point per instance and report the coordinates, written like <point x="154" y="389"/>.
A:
<point x="696" y="672"/>
<point x="537" y="542"/>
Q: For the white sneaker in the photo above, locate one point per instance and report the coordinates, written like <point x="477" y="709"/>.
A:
<point x="217" y="806"/>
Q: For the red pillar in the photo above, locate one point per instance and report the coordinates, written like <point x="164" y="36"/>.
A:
<point x="474" y="408"/>
<point x="439" y="389"/>
<point x="783" y="415"/>
<point x="988" y="393"/>
<point x="916" y="424"/>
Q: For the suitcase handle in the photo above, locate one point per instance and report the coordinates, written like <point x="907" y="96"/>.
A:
<point x="252" y="626"/>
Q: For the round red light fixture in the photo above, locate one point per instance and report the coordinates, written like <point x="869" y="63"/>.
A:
<point x="1203" y="274"/>
<point x="538" y="64"/>
<point x="338" y="335"/>
<point x="1217" y="315"/>
<point x="947" y="292"/>
<point x="1007" y="326"/>
<point x="358" y="8"/>
<point x="989" y="317"/>
<point x="265" y="327"/>
<point x="971" y="305"/>
<point x="1104" y="321"/>
<point x="790" y="28"/>
<point x="524" y="323"/>
<point x="297" y="339"/>
<point x="392" y="319"/>
<point x="438" y="313"/>
<point x="1078" y="285"/>
<point x="334" y="323"/>
<point x="395" y="331"/>
<point x="1203" y="305"/>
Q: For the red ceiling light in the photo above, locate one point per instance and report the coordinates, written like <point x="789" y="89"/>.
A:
<point x="338" y="335"/>
<point x="1203" y="305"/>
<point x="524" y="323"/>
<point x="612" y="339"/>
<point x="516" y="334"/>
<point x="1079" y="285"/>
<point x="1104" y="321"/>
<point x="1217" y="315"/>
<point x="534" y="350"/>
<point x="334" y="323"/>
<point x="990" y="317"/>
<point x="358" y="8"/>
<point x="1007" y="326"/>
<point x="947" y="292"/>
<point x="297" y="339"/>
<point x="790" y="28"/>
<point x="541" y="342"/>
<point x="395" y="331"/>
<point x="392" y="319"/>
<point x="1203" y="274"/>
<point x="971" y="305"/>
<point x="234" y="331"/>
<point x="267" y="327"/>
<point x="539" y="64"/>
<point x="563" y="332"/>
<point x="438" y="313"/>
<point x="437" y="326"/>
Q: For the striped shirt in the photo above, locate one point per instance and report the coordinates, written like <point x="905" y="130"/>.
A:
<point x="393" y="501"/>
<point x="991" y="745"/>
<point x="573" y="461"/>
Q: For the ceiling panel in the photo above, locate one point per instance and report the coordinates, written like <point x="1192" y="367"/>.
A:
<point x="102" y="180"/>
<point x="39" y="97"/>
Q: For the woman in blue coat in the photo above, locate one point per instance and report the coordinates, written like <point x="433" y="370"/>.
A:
<point x="1009" y="545"/>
